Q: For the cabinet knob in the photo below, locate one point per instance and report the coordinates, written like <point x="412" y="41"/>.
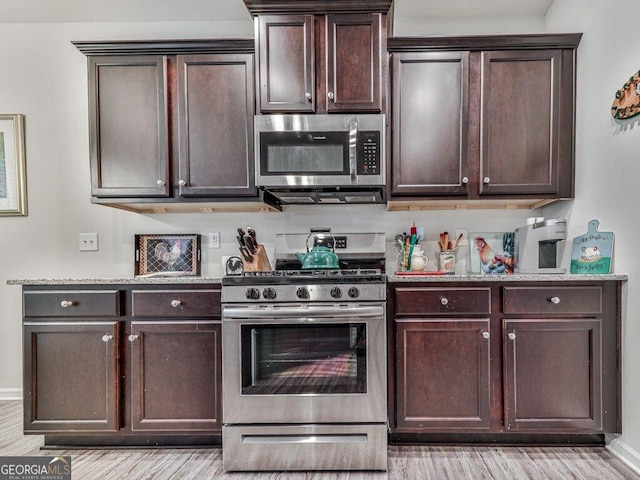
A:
<point x="161" y="183"/>
<point x="486" y="334"/>
<point x="307" y="96"/>
<point x="66" y="303"/>
<point x="176" y="303"/>
<point x="182" y="183"/>
<point x="107" y="337"/>
<point x="486" y="180"/>
<point x="511" y="335"/>
<point x="132" y="338"/>
<point x="465" y="180"/>
<point x="555" y="300"/>
<point x="330" y="96"/>
<point x="444" y="301"/>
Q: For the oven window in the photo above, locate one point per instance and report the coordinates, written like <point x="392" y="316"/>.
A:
<point x="285" y="359"/>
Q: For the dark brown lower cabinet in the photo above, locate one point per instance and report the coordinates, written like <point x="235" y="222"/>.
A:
<point x="504" y="361"/>
<point x="442" y="374"/>
<point x="71" y="376"/>
<point x="552" y="374"/>
<point x="121" y="365"/>
<point x="175" y="376"/>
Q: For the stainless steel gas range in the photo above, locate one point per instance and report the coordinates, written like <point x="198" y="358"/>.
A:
<point x="304" y="362"/>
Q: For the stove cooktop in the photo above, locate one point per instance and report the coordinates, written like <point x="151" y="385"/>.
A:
<point x="282" y="277"/>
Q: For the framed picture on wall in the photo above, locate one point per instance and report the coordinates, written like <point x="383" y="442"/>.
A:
<point x="13" y="186"/>
<point x="492" y="253"/>
<point x="167" y="255"/>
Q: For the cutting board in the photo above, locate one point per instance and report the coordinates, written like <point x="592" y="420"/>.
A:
<point x="593" y="251"/>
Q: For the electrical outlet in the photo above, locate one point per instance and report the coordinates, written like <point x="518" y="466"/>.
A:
<point x="214" y="239"/>
<point x="88" y="242"/>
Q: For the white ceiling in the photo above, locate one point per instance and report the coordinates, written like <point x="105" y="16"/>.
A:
<point x="28" y="11"/>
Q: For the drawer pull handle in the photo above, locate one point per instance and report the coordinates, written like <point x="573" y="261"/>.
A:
<point x="132" y="338"/>
<point x="66" y="303"/>
<point x="486" y="334"/>
<point x="176" y="303"/>
<point x="555" y="300"/>
<point x="511" y="335"/>
<point x="106" y="338"/>
<point x="444" y="301"/>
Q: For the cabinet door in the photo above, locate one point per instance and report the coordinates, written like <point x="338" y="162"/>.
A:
<point x="552" y="375"/>
<point x="215" y="105"/>
<point x="287" y="63"/>
<point x="520" y="122"/>
<point x="430" y="116"/>
<point x="442" y="374"/>
<point x="176" y="376"/>
<point x="71" y="377"/>
<point x="354" y="67"/>
<point x="128" y="126"/>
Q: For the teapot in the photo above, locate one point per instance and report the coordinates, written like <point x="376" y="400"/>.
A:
<point x="320" y="256"/>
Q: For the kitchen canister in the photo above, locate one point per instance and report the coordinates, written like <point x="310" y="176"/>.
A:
<point x="448" y="261"/>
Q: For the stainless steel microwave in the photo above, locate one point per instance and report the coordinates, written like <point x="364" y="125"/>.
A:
<point x="332" y="158"/>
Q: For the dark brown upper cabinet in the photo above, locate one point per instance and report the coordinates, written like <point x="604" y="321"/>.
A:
<point x="430" y="123"/>
<point x="520" y="124"/>
<point x="171" y="124"/>
<point x="215" y="108"/>
<point x="321" y="58"/>
<point x="482" y="119"/>
<point x="129" y="136"/>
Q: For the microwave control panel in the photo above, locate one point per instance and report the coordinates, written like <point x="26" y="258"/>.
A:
<point x="368" y="153"/>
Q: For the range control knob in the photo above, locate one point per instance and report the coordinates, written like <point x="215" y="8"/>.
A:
<point x="269" y="293"/>
<point x="252" y="294"/>
<point x="353" y="292"/>
<point x="302" y="293"/>
<point x="335" y="292"/>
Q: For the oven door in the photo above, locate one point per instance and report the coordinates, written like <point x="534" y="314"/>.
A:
<point x="298" y="363"/>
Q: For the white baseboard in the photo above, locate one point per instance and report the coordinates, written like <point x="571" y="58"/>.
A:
<point x="10" y="394"/>
<point x="624" y="452"/>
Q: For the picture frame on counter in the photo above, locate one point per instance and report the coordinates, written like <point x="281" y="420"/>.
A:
<point x="492" y="253"/>
<point x="167" y="255"/>
<point x="13" y="183"/>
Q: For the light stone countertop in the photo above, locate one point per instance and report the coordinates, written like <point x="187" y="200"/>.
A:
<point x="518" y="277"/>
<point x="391" y="278"/>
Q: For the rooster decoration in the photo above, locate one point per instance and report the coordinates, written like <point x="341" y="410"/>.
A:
<point x="168" y="255"/>
<point x="490" y="261"/>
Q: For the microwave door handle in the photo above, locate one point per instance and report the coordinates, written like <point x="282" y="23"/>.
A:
<point x="353" y="140"/>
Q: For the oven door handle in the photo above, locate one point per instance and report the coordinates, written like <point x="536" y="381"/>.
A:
<point x="306" y="313"/>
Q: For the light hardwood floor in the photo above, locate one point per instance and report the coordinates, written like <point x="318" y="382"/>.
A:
<point x="407" y="463"/>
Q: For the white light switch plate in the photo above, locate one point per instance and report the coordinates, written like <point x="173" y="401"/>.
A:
<point x="214" y="239"/>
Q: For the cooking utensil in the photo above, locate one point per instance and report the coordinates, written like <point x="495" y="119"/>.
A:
<point x="252" y="232"/>
<point x="458" y="240"/>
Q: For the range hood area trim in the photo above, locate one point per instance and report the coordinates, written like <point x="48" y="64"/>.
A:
<point x="347" y="195"/>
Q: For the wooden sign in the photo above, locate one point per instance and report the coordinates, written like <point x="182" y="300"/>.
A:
<point x="593" y="251"/>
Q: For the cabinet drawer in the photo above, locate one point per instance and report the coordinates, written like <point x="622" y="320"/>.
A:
<point x="72" y="303"/>
<point x="443" y="301"/>
<point x="176" y="303"/>
<point x="568" y="300"/>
